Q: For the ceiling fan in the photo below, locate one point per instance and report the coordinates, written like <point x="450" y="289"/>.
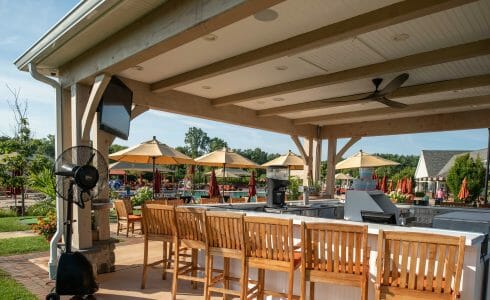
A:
<point x="380" y="95"/>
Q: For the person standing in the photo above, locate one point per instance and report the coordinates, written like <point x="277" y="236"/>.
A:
<point x="440" y="196"/>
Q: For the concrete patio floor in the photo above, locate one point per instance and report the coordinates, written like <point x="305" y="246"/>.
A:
<point x="125" y="282"/>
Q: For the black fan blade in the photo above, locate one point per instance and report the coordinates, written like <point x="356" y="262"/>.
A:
<point x="89" y="162"/>
<point x="394" y="84"/>
<point x="371" y="96"/>
<point x="390" y="103"/>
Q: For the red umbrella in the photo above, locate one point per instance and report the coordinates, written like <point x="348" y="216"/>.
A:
<point x="383" y="187"/>
<point x="251" y="186"/>
<point x="213" y="185"/>
<point x="409" y="185"/>
<point x="464" y="193"/>
<point x="398" y="185"/>
<point x="390" y="187"/>
<point x="404" y="185"/>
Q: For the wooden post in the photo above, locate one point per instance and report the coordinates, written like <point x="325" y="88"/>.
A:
<point x="82" y="231"/>
<point x="102" y="141"/>
<point x="331" y="154"/>
<point x="317" y="158"/>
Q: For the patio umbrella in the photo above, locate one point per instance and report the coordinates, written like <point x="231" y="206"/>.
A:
<point x="409" y="185"/>
<point x="464" y="193"/>
<point x="225" y="158"/>
<point x="157" y="179"/>
<point x="290" y="160"/>
<point x="213" y="186"/>
<point x="229" y="173"/>
<point x="152" y="152"/>
<point x="384" y="187"/>
<point x="127" y="166"/>
<point x="398" y="185"/>
<point x="390" y="186"/>
<point x="364" y="160"/>
<point x="342" y="176"/>
<point x="251" y="186"/>
<point x="404" y="185"/>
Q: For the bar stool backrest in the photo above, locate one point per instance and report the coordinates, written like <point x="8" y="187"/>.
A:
<point x="121" y="209"/>
<point x="225" y="230"/>
<point x="413" y="262"/>
<point x="158" y="219"/>
<point x="269" y="238"/>
<point x="190" y="225"/>
<point x="334" y="248"/>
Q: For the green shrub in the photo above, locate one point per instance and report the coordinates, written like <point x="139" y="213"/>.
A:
<point x="142" y="194"/>
<point x="44" y="182"/>
<point x="293" y="189"/>
<point x="473" y="170"/>
<point x="7" y="213"/>
<point x="42" y="208"/>
<point x="46" y="226"/>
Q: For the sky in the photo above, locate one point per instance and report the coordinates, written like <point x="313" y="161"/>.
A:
<point x="23" y="22"/>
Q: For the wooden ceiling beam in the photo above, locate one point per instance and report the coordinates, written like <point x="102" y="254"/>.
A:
<point x="409" y="91"/>
<point x="370" y="21"/>
<point x="391" y="113"/>
<point x="410" y="62"/>
<point x="437" y="122"/>
<point x="199" y="107"/>
<point x="171" y="25"/>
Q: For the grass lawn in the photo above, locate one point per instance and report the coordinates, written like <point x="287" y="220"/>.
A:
<point x="20" y="245"/>
<point x="12" y="224"/>
<point x="11" y="289"/>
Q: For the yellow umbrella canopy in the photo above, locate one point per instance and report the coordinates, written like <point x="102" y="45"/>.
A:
<point x="120" y="165"/>
<point x="342" y="176"/>
<point x="364" y="160"/>
<point x="152" y="152"/>
<point x="229" y="173"/>
<point x="225" y="158"/>
<point x="291" y="160"/>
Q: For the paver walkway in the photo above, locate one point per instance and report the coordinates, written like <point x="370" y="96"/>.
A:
<point x="15" y="234"/>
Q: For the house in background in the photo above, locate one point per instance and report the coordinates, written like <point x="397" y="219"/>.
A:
<point x="434" y="165"/>
<point x="431" y="162"/>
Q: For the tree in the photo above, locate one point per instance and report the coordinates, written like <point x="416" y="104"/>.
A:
<point x="197" y="141"/>
<point x="473" y="170"/>
<point x="216" y="144"/>
<point x="115" y="147"/>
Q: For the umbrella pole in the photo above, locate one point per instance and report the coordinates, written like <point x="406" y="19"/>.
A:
<point x="487" y="169"/>
<point x="224" y="180"/>
<point x="153" y="160"/>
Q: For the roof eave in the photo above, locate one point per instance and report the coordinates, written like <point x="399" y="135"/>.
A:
<point x="78" y="18"/>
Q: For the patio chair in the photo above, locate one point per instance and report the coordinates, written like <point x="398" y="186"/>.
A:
<point x="334" y="254"/>
<point x="158" y="225"/>
<point x="191" y="234"/>
<point x="226" y="238"/>
<point x="270" y="246"/>
<point x="123" y="216"/>
<point x="418" y="266"/>
<point x="214" y="200"/>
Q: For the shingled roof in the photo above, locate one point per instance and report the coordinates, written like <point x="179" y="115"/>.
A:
<point x="473" y="154"/>
<point x="435" y="160"/>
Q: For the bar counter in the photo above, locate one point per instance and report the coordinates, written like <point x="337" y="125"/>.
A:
<point x="473" y="269"/>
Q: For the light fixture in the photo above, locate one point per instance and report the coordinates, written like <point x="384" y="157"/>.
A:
<point x="401" y="37"/>
<point x="281" y="68"/>
<point x="266" y="15"/>
<point x="138" y="68"/>
<point x="278" y="99"/>
<point x="206" y="87"/>
<point x="210" y="37"/>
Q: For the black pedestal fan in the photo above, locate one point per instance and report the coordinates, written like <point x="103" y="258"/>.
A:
<point x="80" y="171"/>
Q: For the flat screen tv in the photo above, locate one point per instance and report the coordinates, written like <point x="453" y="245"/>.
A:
<point x="115" y="109"/>
<point x="378" y="217"/>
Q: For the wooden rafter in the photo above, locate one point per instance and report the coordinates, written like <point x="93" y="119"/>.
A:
<point x="415" y="90"/>
<point x="437" y="122"/>
<point x="96" y="93"/>
<point x="346" y="147"/>
<point x="195" y="106"/>
<point x="301" y="149"/>
<point x="391" y="113"/>
<point x="385" y="16"/>
<point x="414" y="61"/>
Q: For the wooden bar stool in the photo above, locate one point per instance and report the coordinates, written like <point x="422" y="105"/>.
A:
<point x="270" y="246"/>
<point x="191" y="234"/>
<point x="334" y="253"/>
<point x="226" y="238"/>
<point x="418" y="266"/>
<point x="123" y="216"/>
<point x="158" y="225"/>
